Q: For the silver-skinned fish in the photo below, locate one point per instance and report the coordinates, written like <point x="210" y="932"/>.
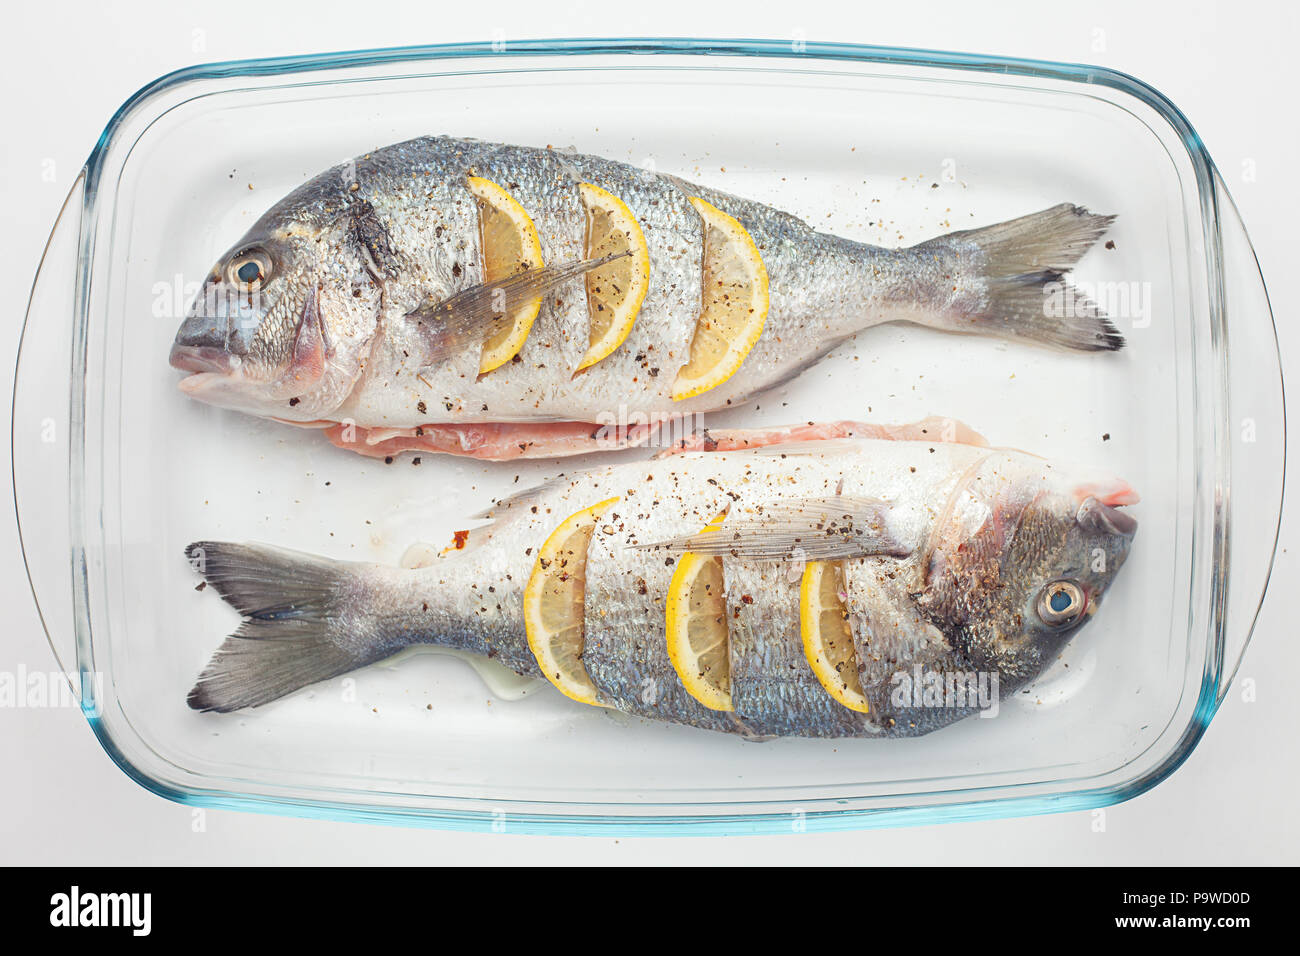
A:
<point x="449" y="295"/>
<point x="823" y="583"/>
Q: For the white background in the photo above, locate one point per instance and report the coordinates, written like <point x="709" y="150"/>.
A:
<point x="1228" y="66"/>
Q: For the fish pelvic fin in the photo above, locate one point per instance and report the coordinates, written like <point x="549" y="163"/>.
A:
<point x="1020" y="266"/>
<point x="299" y="626"/>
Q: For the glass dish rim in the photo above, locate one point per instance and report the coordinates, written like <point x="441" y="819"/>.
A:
<point x="696" y="824"/>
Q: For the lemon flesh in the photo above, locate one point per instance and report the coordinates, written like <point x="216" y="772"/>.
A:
<point x="696" y="628"/>
<point x="510" y="245"/>
<point x="554" y="603"/>
<point x="827" y="634"/>
<point x="615" y="290"/>
<point x="734" y="304"/>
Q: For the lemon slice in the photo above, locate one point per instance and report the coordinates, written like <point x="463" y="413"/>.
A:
<point x="510" y="245"/>
<point x="733" y="304"/>
<point x="827" y="636"/>
<point x="696" y="618"/>
<point x="553" y="604"/>
<point x="614" y="291"/>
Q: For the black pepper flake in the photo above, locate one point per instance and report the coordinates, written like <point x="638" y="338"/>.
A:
<point x="388" y="459"/>
<point x="1106" y="437"/>
<point x="203" y="584"/>
<point x="421" y="407"/>
<point x="415" y="460"/>
<point x="294" y="401"/>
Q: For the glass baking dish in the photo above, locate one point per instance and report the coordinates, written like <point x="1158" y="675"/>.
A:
<point x="115" y="471"/>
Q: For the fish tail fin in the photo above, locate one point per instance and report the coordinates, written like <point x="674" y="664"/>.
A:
<point x="1021" y="264"/>
<point x="300" y="623"/>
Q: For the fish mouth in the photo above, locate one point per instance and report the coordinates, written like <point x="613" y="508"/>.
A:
<point x="1105" y="518"/>
<point x="200" y="359"/>
<point x="1114" y="491"/>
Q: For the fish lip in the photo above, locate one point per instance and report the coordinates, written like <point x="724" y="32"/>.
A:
<point x="1100" y="516"/>
<point x="1115" y="491"/>
<point x="195" y="383"/>
<point x="200" y="359"/>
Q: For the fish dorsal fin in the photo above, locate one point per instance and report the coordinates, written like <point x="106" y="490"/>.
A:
<point x="814" y="529"/>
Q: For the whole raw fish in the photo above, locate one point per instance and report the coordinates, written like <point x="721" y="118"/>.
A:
<point x="959" y="563"/>
<point x="360" y="301"/>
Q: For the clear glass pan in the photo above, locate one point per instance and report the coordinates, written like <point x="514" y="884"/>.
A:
<point x="115" y="471"/>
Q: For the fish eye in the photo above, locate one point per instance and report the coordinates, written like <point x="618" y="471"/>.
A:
<point x="249" y="270"/>
<point x="1060" y="602"/>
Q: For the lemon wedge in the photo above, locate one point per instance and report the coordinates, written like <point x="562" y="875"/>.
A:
<point x="553" y="604"/>
<point x="510" y="245"/>
<point x="827" y="635"/>
<point x="696" y="619"/>
<point x="616" y="290"/>
<point x="733" y="304"/>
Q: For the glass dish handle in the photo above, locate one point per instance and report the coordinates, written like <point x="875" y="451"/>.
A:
<point x="1251" y="504"/>
<point x="41" y="433"/>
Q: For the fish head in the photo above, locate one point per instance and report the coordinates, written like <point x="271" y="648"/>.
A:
<point x="282" y="324"/>
<point x="1021" y="560"/>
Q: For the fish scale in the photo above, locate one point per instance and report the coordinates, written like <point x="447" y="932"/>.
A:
<point x="626" y="653"/>
<point x="773" y="689"/>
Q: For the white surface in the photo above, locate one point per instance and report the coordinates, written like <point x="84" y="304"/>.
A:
<point x="65" y="802"/>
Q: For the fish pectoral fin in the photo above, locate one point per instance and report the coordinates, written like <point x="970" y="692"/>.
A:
<point x="809" y="529"/>
<point x="463" y="321"/>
